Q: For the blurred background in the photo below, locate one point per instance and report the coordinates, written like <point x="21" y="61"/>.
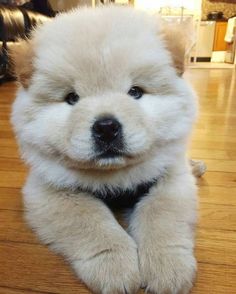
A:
<point x="210" y="25"/>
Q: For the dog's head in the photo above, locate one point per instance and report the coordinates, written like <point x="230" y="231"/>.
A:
<point x="101" y="90"/>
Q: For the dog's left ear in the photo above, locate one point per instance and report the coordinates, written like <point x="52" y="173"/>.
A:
<point x="178" y="42"/>
<point x="21" y="57"/>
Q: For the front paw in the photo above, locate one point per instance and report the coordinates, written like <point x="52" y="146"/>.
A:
<point x="167" y="271"/>
<point x="111" y="271"/>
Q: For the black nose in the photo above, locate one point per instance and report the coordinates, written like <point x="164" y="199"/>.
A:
<point x="106" y="129"/>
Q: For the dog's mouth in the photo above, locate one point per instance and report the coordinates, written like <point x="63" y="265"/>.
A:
<point x="110" y="159"/>
<point x="110" y="153"/>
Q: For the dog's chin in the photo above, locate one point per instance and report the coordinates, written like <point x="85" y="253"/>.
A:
<point x="109" y="163"/>
<point x="116" y="159"/>
<point x="105" y="163"/>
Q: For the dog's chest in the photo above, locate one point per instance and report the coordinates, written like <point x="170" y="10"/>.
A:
<point x="119" y="198"/>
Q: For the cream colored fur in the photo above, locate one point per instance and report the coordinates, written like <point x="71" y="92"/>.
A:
<point x="101" y="54"/>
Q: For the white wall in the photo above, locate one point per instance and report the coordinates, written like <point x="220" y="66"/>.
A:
<point x="191" y="6"/>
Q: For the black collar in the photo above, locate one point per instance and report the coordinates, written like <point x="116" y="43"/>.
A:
<point x="119" y="198"/>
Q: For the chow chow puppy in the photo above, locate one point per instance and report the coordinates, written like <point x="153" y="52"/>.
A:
<point x="102" y="117"/>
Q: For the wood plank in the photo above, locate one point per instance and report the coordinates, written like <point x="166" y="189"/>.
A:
<point x="217" y="195"/>
<point x="213" y="216"/>
<point x="10" y="198"/>
<point x="36" y="267"/>
<point x="9" y="152"/>
<point x="14" y="228"/>
<point x="215" y="279"/>
<point x="216" y="246"/>
<point x="216" y="165"/>
<point x="215" y="139"/>
<point x="12" y="164"/>
<point x="203" y="154"/>
<point x="220" y="179"/>
<point x="5" y="142"/>
<point x="6" y="290"/>
<point x="219" y="144"/>
<point x="206" y="154"/>
<point x="12" y="179"/>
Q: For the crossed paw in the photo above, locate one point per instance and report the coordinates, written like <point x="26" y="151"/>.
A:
<point x="123" y="271"/>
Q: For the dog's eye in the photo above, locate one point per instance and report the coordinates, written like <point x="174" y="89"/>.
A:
<point x="72" y="98"/>
<point x="136" y="92"/>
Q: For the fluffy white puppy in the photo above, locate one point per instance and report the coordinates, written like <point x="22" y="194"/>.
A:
<point x="102" y="117"/>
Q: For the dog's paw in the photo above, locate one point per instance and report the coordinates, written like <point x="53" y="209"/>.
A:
<point x="111" y="271"/>
<point x="198" y="167"/>
<point x="167" y="272"/>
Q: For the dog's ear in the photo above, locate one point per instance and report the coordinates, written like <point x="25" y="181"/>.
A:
<point x="21" y="57"/>
<point x="179" y="42"/>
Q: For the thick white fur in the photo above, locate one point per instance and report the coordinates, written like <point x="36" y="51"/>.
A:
<point x="101" y="54"/>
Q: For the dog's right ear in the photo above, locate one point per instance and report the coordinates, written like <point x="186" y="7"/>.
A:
<point x="21" y="57"/>
<point x="179" y="39"/>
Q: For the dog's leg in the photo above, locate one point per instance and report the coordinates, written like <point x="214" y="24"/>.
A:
<point x="83" y="229"/>
<point x="162" y="225"/>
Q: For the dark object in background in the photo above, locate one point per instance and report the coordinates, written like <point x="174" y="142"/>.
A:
<point x="215" y="15"/>
<point x="15" y="23"/>
<point x="40" y="6"/>
<point x="3" y="62"/>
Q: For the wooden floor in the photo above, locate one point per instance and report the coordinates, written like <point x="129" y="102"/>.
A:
<point x="28" y="267"/>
